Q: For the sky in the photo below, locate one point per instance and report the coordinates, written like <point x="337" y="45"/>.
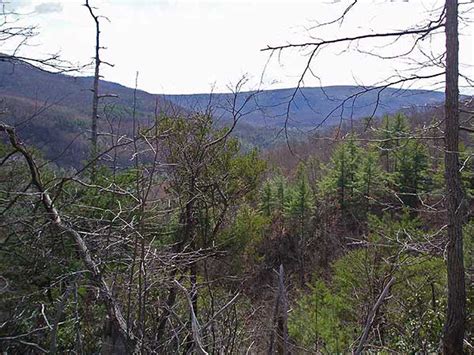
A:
<point x="193" y="46"/>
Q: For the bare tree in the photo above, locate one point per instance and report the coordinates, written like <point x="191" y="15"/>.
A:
<point x="95" y="92"/>
<point x="95" y="89"/>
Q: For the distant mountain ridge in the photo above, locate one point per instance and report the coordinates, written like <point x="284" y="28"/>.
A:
<point x="313" y="106"/>
<point x="52" y="111"/>
<point x="267" y="108"/>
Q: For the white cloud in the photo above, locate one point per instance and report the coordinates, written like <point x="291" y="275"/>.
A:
<point x="48" y="7"/>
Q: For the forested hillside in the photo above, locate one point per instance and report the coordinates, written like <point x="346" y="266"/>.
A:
<point x="51" y="111"/>
<point x="324" y="106"/>
<point x="241" y="223"/>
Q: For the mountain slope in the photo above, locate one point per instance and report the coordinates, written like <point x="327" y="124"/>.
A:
<point x="313" y="106"/>
<point x="52" y="111"/>
<point x="23" y="80"/>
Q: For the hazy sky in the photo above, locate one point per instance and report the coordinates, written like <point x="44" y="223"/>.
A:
<point x="181" y="46"/>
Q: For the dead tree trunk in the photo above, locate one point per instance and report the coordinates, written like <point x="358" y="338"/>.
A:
<point x="95" y="93"/>
<point x="280" y="319"/>
<point x="456" y="313"/>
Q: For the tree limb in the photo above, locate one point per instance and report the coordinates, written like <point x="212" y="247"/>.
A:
<point x="371" y="317"/>
<point x="108" y="298"/>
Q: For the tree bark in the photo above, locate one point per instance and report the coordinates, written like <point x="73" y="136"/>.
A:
<point x="456" y="311"/>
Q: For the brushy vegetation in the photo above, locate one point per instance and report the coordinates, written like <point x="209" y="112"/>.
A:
<point x="193" y="228"/>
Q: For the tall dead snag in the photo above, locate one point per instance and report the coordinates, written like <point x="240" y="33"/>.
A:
<point x="109" y="300"/>
<point x="95" y="92"/>
<point x="456" y="312"/>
